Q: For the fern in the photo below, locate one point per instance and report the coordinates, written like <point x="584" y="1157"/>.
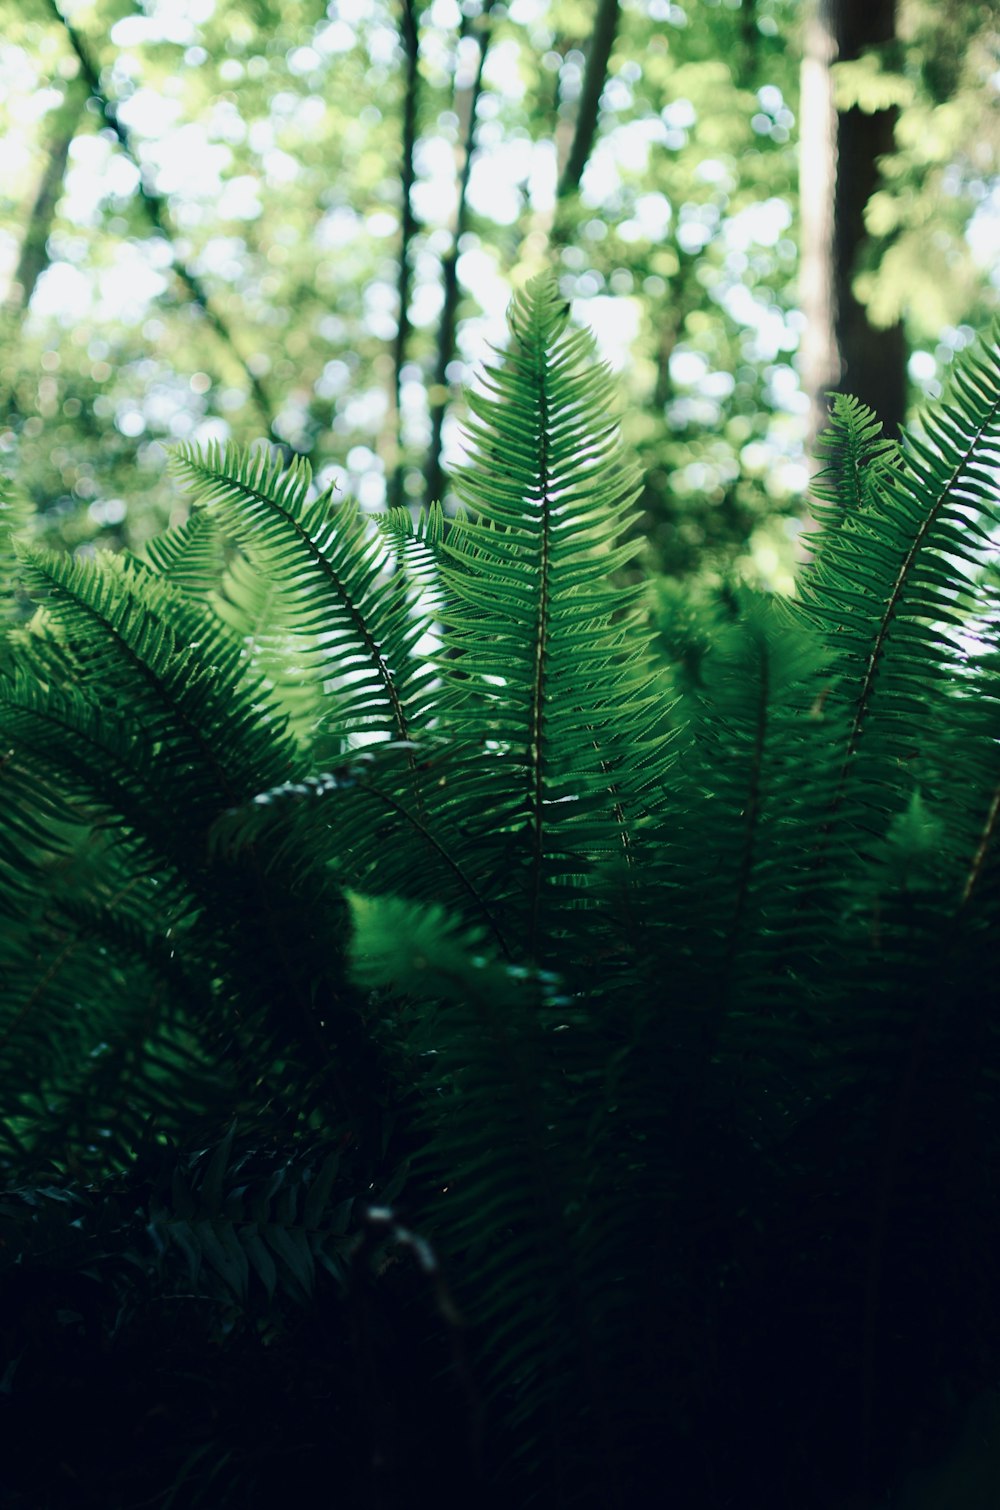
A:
<point x="325" y="562"/>
<point x="137" y="705"/>
<point x="660" y="1018"/>
<point x="551" y="654"/>
<point x="483" y="1033"/>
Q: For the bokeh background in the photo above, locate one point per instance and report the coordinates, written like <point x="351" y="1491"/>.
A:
<point x="302" y="221"/>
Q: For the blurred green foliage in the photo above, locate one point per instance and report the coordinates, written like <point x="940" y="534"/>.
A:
<point x="270" y="138"/>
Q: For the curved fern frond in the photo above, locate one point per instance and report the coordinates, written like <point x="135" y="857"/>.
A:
<point x="168" y="665"/>
<point x="351" y="615"/>
<point x="888" y="592"/>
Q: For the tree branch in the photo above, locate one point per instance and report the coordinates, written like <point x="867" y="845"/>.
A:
<point x="158" y="214"/>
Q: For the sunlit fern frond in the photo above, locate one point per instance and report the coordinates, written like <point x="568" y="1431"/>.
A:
<point x="546" y="651"/>
<point x="336" y="590"/>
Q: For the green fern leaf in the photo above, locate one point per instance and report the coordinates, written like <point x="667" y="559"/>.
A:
<point x="355" y="629"/>
<point x="547" y="653"/>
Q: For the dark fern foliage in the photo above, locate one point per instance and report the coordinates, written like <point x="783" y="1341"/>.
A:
<point x="614" y="1080"/>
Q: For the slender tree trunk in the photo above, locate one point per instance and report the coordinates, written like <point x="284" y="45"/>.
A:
<point x="34" y="258"/>
<point x="34" y="254"/>
<point x="466" y="103"/>
<point x="574" y="131"/>
<point x="841" y="350"/>
<point x="745" y="71"/>
<point x="819" y="358"/>
<point x="158" y="215"/>
<point x="410" y="38"/>
<point x="602" y="40"/>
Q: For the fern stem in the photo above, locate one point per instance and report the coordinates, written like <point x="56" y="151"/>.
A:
<point x="535" y="726"/>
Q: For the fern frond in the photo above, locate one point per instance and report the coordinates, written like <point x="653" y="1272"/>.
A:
<point x="221" y="1231"/>
<point x="546" y="654"/>
<point x="888" y="593"/>
<point x="362" y="822"/>
<point x="140" y="706"/>
<point x="939" y="503"/>
<point x="350" y="614"/>
<point x="168" y="665"/>
<point x="189" y="556"/>
<point x="856" y="456"/>
<point x="15" y="515"/>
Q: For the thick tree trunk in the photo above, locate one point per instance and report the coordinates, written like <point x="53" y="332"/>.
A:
<point x="841" y="350"/>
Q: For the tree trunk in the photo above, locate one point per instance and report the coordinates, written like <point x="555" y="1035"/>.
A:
<point x="34" y="255"/>
<point x="466" y="102"/>
<point x="34" y="258"/>
<point x="841" y="350"/>
<point x="409" y="37"/>
<point x="595" y="76"/>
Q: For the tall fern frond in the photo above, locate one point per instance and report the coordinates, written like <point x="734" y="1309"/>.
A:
<point x="546" y="657"/>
